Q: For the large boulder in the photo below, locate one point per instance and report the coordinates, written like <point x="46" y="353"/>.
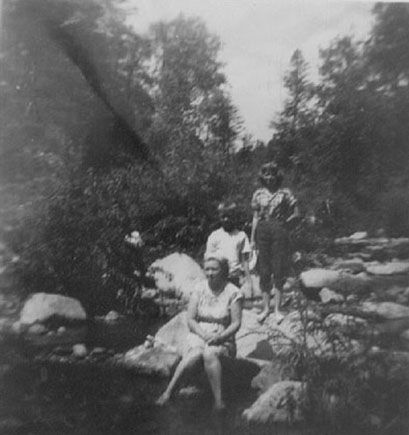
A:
<point x="263" y="342"/>
<point x="41" y="307"/>
<point x="338" y="280"/>
<point x="281" y="403"/>
<point x="177" y="274"/>
<point x="174" y="332"/>
<point x="296" y="330"/>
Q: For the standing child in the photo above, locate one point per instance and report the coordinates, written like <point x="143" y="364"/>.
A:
<point x="274" y="209"/>
<point x="231" y="243"/>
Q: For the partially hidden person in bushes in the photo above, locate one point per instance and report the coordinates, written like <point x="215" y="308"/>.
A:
<point x="275" y="210"/>
<point x="230" y="242"/>
<point x="213" y="317"/>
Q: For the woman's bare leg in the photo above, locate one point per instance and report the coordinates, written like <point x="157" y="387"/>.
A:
<point x="213" y="369"/>
<point x="187" y="363"/>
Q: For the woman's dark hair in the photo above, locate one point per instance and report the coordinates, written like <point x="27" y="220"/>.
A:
<point x="268" y="171"/>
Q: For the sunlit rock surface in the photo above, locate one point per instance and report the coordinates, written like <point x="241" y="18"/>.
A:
<point x="177" y="274"/>
<point x="43" y="306"/>
<point x="281" y="403"/>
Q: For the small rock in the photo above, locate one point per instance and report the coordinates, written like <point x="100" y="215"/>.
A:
<point x="352" y="298"/>
<point x="79" y="350"/>
<point x="61" y="330"/>
<point x="112" y="316"/>
<point x="150" y="293"/>
<point x="37" y="329"/>
<point x="328" y="296"/>
<point x="18" y="328"/>
<point x="190" y="391"/>
<point x="359" y="235"/>
<point x="343" y="320"/>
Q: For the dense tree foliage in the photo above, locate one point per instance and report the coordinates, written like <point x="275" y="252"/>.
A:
<point x="82" y="95"/>
<point x="349" y="142"/>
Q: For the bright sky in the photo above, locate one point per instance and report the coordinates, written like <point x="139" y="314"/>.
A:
<point x="258" y="38"/>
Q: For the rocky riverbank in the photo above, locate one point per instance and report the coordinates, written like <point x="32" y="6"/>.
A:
<point x="347" y="315"/>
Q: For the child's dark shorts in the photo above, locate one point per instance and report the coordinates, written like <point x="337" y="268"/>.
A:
<point x="273" y="246"/>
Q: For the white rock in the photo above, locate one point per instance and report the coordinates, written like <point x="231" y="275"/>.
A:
<point x="338" y="319"/>
<point x="336" y="280"/>
<point x="112" y="316"/>
<point x="327" y="296"/>
<point x="359" y="235"/>
<point x="176" y="274"/>
<point x="393" y="268"/>
<point x="42" y="306"/>
<point x="18" y="328"/>
<point x="281" y="403"/>
<point x="61" y="330"/>
<point x="386" y="310"/>
<point x="37" y="329"/>
<point x="317" y="278"/>
<point x="79" y="350"/>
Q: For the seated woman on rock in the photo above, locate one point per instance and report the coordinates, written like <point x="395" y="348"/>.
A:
<point x="213" y="318"/>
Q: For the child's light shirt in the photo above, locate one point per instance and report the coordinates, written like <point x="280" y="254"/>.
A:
<point x="231" y="245"/>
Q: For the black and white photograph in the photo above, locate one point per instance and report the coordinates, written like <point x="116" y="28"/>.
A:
<point x="204" y="217"/>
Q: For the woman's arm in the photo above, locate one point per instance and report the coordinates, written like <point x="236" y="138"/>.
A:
<point x="246" y="267"/>
<point x="293" y="218"/>
<point x="253" y="229"/>
<point x="236" y="311"/>
<point x="191" y="315"/>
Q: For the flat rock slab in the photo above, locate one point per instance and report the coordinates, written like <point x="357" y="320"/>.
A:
<point x="386" y="310"/>
<point x="151" y="361"/>
<point x="393" y="268"/>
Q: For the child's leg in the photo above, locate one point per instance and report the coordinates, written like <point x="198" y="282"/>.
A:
<point x="278" y="291"/>
<point x="264" y="243"/>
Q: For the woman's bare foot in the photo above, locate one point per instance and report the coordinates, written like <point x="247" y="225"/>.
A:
<point x="262" y="316"/>
<point x="163" y="399"/>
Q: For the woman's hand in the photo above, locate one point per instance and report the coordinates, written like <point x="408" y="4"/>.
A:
<point x="215" y="339"/>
